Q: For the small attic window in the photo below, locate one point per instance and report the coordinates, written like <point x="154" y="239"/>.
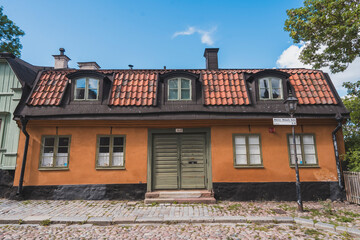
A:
<point x="270" y="88"/>
<point x="179" y="89"/>
<point x="86" y="89"/>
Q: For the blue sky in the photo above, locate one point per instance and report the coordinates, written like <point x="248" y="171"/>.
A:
<point x="151" y="34"/>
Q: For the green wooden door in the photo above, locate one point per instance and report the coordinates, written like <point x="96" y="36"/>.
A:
<point x="192" y="159"/>
<point x="179" y="161"/>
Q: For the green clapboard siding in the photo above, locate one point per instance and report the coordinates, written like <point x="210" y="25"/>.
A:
<point x="179" y="161"/>
<point x="10" y="93"/>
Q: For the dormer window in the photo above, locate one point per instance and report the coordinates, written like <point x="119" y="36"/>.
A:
<point x="270" y="88"/>
<point x="179" y="89"/>
<point x="87" y="89"/>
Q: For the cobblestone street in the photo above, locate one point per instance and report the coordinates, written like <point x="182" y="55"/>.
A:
<point x="178" y="231"/>
<point x="236" y="220"/>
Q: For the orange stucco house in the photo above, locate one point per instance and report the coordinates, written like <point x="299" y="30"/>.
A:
<point x="89" y="133"/>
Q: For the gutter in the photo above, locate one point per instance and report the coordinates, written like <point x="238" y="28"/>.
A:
<point x="339" y="119"/>
<point x="23" y="121"/>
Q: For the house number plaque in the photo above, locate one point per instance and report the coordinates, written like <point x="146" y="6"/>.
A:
<point x="179" y="130"/>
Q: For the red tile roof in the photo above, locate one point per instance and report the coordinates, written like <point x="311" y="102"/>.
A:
<point x="220" y="87"/>
<point x="134" y="88"/>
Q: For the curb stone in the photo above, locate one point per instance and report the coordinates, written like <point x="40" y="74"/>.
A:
<point x="68" y="220"/>
<point x="36" y="219"/>
<point x="325" y="226"/>
<point x="304" y="221"/>
<point x="102" y="221"/>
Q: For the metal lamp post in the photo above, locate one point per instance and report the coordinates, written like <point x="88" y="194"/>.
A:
<point x="290" y="106"/>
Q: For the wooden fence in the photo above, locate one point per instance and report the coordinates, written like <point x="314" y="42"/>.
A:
<point x="352" y="186"/>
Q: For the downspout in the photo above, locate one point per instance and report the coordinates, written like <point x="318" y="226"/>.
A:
<point x="23" y="121"/>
<point x="339" y="119"/>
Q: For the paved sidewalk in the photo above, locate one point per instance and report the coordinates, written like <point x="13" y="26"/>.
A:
<point x="333" y="218"/>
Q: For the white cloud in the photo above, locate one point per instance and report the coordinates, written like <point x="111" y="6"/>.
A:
<point x="206" y="36"/>
<point x="290" y="59"/>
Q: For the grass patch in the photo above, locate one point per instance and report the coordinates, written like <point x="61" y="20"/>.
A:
<point x="234" y="207"/>
<point x="45" y="222"/>
<point x="344" y="219"/>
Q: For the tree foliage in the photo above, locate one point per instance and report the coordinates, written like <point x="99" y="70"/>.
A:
<point x="330" y="30"/>
<point x="9" y="35"/>
<point x="352" y="127"/>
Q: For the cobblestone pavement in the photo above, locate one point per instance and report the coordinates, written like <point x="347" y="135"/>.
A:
<point x="178" y="231"/>
<point x="336" y="213"/>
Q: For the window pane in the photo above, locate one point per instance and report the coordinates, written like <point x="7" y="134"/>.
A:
<point x="63" y="141"/>
<point x="298" y="149"/>
<point x="104" y="150"/>
<point x="80" y="83"/>
<point x="276" y="93"/>
<point x="118" y="141"/>
<point x="185" y="94"/>
<point x="118" y="149"/>
<point x="264" y="93"/>
<point x="47" y="159"/>
<point x="49" y="141"/>
<point x="255" y="159"/>
<point x="105" y="141"/>
<point x="173" y="83"/>
<point x="240" y="159"/>
<point x="118" y="159"/>
<point x="92" y="94"/>
<point x="297" y="139"/>
<point x="254" y="149"/>
<point x="103" y="159"/>
<point x="264" y="83"/>
<point x="48" y="149"/>
<point x="239" y="140"/>
<point x="310" y="159"/>
<point x="275" y="83"/>
<point x="253" y="139"/>
<point x="240" y="149"/>
<point x="62" y="150"/>
<point x="173" y="94"/>
<point x="309" y="149"/>
<point x="308" y="139"/>
<point x="185" y="83"/>
<point x="61" y="160"/>
<point x="93" y="83"/>
<point x="80" y="93"/>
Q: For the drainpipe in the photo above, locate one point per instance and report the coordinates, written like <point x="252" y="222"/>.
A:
<point x="23" y="121"/>
<point x="339" y="119"/>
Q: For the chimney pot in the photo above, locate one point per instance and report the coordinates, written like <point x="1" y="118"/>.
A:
<point x="61" y="60"/>
<point x="88" y="66"/>
<point x="211" y="56"/>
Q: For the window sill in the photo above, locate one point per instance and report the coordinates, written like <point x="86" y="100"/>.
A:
<point x="53" y="169"/>
<point x="249" y="166"/>
<point x="110" y="168"/>
<point x="306" y="166"/>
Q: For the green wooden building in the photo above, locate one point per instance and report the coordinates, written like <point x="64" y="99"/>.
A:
<point x="13" y="75"/>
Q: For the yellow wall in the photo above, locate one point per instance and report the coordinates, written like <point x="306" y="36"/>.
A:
<point x="82" y="157"/>
<point x="275" y="155"/>
<point x="83" y="150"/>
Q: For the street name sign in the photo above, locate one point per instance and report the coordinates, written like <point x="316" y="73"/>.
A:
<point x="284" y="121"/>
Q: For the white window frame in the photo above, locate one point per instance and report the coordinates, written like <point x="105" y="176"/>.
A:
<point x="269" y="79"/>
<point x="179" y="88"/>
<point x="86" y="94"/>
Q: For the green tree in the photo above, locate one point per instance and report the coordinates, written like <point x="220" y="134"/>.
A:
<point x="330" y="30"/>
<point x="9" y="35"/>
<point x="352" y="127"/>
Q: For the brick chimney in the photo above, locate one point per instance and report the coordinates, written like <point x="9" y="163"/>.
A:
<point x="61" y="61"/>
<point x="211" y="56"/>
<point x="88" y="66"/>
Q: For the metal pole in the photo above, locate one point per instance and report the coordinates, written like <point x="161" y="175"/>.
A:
<point x="298" y="184"/>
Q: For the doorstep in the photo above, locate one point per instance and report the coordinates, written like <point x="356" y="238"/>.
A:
<point x="181" y="196"/>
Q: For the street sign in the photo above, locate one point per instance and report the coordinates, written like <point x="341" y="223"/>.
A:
<point x="284" y="121"/>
